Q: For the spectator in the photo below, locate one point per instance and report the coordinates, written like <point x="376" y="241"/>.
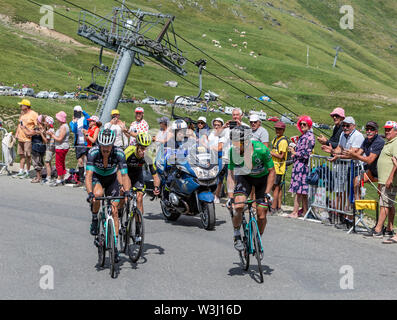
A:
<point x="202" y="131"/>
<point x="50" y="148"/>
<point x="300" y="156"/>
<point x="61" y="138"/>
<point x="258" y="133"/>
<point x="27" y="122"/>
<point x="39" y="142"/>
<point x="368" y="153"/>
<point x="78" y="124"/>
<point x="338" y="115"/>
<point x="118" y="127"/>
<point x="216" y="141"/>
<point x="279" y="154"/>
<point x="387" y="183"/>
<point x="191" y="129"/>
<point x="138" y="126"/>
<point x="163" y="135"/>
<point x="351" y="140"/>
<point x="91" y="135"/>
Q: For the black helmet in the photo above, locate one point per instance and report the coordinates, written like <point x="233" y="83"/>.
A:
<point x="240" y="133"/>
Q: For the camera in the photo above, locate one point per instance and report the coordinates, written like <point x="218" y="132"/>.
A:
<point x="232" y="124"/>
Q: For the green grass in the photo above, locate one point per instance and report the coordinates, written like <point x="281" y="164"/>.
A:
<point x="364" y="79"/>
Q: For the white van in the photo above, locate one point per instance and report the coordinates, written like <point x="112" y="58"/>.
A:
<point x="27" y="92"/>
<point x="262" y="115"/>
<point x="229" y="110"/>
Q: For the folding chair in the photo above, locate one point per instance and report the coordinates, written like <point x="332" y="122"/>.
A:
<point x="359" y="206"/>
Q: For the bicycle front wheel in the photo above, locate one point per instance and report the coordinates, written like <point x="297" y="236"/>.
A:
<point x="257" y="247"/>
<point x="101" y="245"/>
<point x="135" y="235"/>
<point x="112" y="246"/>
<point x="245" y="255"/>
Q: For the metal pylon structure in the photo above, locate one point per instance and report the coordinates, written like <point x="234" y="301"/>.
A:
<point x="130" y="34"/>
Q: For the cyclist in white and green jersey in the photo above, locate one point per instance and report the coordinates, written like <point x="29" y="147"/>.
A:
<point x="250" y="165"/>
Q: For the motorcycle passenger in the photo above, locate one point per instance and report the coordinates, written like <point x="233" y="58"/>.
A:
<point x="106" y="169"/>
<point x="135" y="157"/>
<point x="250" y="165"/>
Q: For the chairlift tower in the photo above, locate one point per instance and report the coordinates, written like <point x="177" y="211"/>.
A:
<point x="130" y="34"/>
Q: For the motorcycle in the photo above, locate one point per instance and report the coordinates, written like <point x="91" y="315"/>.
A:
<point x="188" y="181"/>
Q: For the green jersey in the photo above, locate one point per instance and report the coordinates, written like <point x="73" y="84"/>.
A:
<point x="261" y="161"/>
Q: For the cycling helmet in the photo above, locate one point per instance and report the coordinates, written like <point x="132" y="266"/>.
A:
<point x="143" y="139"/>
<point x="179" y="124"/>
<point x="106" y="137"/>
<point x="240" y="133"/>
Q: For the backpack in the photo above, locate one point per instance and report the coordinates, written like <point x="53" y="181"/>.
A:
<point x="288" y="161"/>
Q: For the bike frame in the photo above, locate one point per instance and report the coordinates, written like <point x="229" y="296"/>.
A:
<point x="248" y="229"/>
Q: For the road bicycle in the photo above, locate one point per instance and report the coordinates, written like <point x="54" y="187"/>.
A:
<point x="251" y="238"/>
<point x="106" y="239"/>
<point x="132" y="229"/>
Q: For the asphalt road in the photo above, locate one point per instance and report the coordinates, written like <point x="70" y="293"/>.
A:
<point x="43" y="226"/>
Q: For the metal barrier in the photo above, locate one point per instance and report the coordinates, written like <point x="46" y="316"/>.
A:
<point x="331" y="186"/>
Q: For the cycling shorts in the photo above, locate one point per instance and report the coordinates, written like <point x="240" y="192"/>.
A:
<point x="109" y="183"/>
<point x="137" y="181"/>
<point x="244" y="186"/>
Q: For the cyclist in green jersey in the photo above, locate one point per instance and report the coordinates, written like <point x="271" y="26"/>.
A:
<point x="250" y="164"/>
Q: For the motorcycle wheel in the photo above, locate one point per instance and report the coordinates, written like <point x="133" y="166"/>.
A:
<point x="168" y="214"/>
<point x="208" y="215"/>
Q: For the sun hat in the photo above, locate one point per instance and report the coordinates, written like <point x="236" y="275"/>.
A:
<point x="217" y="119"/>
<point x="204" y="119"/>
<point x="280" y="125"/>
<point x="254" y="118"/>
<point x="349" y="120"/>
<point x="93" y="118"/>
<point x="49" y="120"/>
<point x="339" y="112"/>
<point x="78" y="108"/>
<point x="139" y="109"/>
<point x="40" y="119"/>
<point x="390" y="124"/>
<point x="61" y="116"/>
<point x="25" y="102"/>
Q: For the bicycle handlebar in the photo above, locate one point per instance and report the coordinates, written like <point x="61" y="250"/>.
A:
<point x="252" y="201"/>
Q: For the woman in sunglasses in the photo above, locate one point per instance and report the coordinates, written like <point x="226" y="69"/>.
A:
<point x="300" y="155"/>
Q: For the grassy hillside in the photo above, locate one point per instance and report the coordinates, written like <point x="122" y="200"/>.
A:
<point x="277" y="35"/>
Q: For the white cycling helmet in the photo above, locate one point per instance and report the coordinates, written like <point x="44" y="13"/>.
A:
<point x="179" y="124"/>
<point x="106" y="137"/>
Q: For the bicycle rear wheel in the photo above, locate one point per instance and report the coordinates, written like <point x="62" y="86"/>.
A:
<point x="245" y="255"/>
<point x="135" y="235"/>
<point x="112" y="246"/>
<point x="257" y="247"/>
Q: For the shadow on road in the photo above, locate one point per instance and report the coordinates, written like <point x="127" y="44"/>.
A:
<point x="253" y="271"/>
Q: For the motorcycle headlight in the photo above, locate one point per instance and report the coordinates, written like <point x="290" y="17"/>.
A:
<point x="206" y="173"/>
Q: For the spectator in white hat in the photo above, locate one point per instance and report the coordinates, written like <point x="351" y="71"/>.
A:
<point x="202" y="130"/>
<point x="164" y="134"/>
<point x="216" y="142"/>
<point x="258" y="133"/>
<point x="138" y="126"/>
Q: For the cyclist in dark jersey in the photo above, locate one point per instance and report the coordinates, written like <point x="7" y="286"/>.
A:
<point x="250" y="164"/>
<point x="135" y="158"/>
<point x="106" y="169"/>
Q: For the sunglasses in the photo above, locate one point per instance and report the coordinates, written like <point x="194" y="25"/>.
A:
<point x="302" y="124"/>
<point x="335" y="116"/>
<point x="370" y="129"/>
<point x="346" y="125"/>
<point x="200" y="123"/>
<point x="252" y="122"/>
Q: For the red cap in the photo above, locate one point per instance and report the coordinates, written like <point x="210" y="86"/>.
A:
<point x="279" y="124"/>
